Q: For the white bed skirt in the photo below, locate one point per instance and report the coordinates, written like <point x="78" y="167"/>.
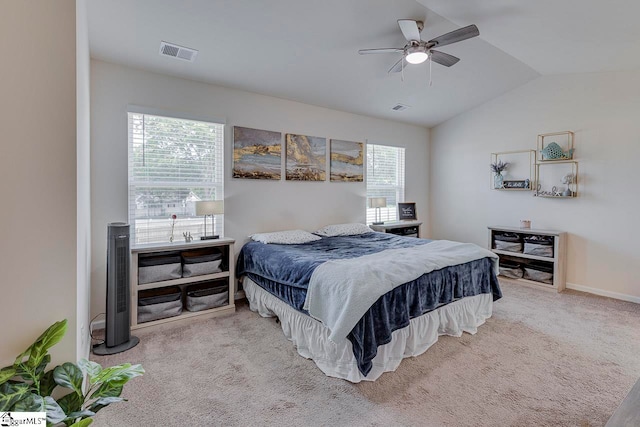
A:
<point x="311" y="338"/>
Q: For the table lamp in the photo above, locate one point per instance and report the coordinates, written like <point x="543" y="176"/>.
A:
<point x="209" y="208"/>
<point x="377" y="203"/>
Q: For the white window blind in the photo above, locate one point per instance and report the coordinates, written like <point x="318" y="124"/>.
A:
<point x="173" y="163"/>
<point x="385" y="178"/>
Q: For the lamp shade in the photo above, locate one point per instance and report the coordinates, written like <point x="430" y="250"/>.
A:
<point x="210" y="207"/>
<point x="378" y="202"/>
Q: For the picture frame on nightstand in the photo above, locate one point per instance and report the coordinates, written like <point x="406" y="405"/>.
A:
<point x="407" y="211"/>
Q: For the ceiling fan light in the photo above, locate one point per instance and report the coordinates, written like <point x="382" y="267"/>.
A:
<point x="416" y="55"/>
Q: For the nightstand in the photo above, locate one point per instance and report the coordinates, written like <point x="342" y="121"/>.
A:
<point x="401" y="228"/>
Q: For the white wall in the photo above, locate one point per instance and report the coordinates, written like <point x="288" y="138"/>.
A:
<point x="83" y="182"/>
<point x="604" y="110"/>
<point x="38" y="174"/>
<point x="250" y="205"/>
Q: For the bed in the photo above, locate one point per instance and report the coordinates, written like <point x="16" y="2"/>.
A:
<point x="357" y="305"/>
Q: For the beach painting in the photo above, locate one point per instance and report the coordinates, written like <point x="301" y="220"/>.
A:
<point x="347" y="161"/>
<point x="306" y="157"/>
<point x="256" y="153"/>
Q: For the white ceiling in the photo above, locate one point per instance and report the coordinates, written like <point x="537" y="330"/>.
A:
<point x="306" y="50"/>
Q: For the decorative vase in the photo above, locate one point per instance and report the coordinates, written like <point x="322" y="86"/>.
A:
<point x="498" y="180"/>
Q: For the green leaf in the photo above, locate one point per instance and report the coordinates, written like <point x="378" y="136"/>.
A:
<point x="84" y="413"/>
<point x="6" y="374"/>
<point x="119" y="374"/>
<point x="109" y="400"/>
<point x="107" y="390"/>
<point x="47" y="384"/>
<point x="53" y="334"/>
<point x="80" y="414"/>
<point x="22" y="355"/>
<point x="69" y="376"/>
<point x="10" y="393"/>
<point x="71" y="403"/>
<point x="105" y="401"/>
<point x="89" y="368"/>
<point x="40" y="369"/>
<point x="31" y="403"/>
<point x="48" y="339"/>
<point x="24" y="372"/>
<point x="35" y="403"/>
<point x="82" y="423"/>
<point x="55" y="414"/>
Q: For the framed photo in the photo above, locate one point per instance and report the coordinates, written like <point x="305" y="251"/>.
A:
<point x="407" y="211"/>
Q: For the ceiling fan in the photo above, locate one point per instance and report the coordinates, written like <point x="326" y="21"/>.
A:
<point x="416" y="51"/>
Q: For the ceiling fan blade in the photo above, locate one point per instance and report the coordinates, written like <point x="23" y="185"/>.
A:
<point x="455" y="36"/>
<point x="381" y="50"/>
<point x="398" y="66"/>
<point x="443" y="58"/>
<point x="409" y="29"/>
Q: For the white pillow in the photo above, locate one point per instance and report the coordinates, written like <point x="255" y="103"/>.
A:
<point x="288" y="237"/>
<point x="344" y="229"/>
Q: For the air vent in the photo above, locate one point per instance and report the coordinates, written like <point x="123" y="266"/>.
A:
<point x="176" y="51"/>
<point x="399" y="107"/>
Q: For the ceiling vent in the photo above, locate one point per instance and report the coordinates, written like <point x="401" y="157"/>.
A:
<point x="176" y="51"/>
<point x="399" y="107"/>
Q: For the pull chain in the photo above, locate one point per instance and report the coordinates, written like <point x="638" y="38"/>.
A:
<point x="430" y="81"/>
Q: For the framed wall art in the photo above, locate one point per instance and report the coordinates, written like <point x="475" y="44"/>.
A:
<point x="347" y="161"/>
<point x="256" y="153"/>
<point x="306" y="158"/>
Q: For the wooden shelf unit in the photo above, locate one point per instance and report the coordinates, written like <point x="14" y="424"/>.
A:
<point x="558" y="260"/>
<point x="159" y="248"/>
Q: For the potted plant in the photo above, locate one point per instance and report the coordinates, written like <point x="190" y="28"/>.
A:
<point x="497" y="168"/>
<point x="26" y="386"/>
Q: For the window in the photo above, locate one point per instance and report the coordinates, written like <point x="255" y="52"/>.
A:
<point x="385" y="178"/>
<point x="173" y="163"/>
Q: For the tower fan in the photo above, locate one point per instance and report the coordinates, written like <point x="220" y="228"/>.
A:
<point x="117" y="332"/>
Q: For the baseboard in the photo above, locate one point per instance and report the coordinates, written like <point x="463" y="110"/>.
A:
<point x="602" y="292"/>
<point x="97" y="325"/>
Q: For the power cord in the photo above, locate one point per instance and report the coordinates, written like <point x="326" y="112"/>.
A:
<point x="91" y="331"/>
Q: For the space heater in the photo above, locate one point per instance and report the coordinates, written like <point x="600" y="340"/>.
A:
<point x="117" y="331"/>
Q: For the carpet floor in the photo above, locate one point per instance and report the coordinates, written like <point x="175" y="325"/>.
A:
<point x="543" y="359"/>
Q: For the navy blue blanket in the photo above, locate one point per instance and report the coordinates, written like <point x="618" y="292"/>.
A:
<point x="285" y="271"/>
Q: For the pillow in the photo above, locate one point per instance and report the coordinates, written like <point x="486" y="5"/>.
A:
<point x="344" y="230"/>
<point x="288" y="237"/>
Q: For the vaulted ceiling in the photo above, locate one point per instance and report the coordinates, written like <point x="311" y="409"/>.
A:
<point x="307" y="51"/>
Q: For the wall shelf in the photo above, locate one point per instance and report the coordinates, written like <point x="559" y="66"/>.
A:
<point x="549" y="178"/>
<point x="520" y="172"/>
<point x="564" y="139"/>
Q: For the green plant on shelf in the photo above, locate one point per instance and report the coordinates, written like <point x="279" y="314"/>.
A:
<point x="26" y="386"/>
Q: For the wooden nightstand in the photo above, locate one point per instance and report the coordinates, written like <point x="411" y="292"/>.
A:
<point x="401" y="228"/>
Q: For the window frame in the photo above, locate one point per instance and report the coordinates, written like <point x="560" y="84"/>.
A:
<point x="390" y="213"/>
<point x="188" y="222"/>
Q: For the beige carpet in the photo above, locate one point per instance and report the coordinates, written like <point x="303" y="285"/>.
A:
<point x="543" y="359"/>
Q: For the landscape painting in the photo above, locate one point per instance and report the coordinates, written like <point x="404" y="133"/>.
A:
<point x="256" y="153"/>
<point x="347" y="161"/>
<point x="306" y="157"/>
